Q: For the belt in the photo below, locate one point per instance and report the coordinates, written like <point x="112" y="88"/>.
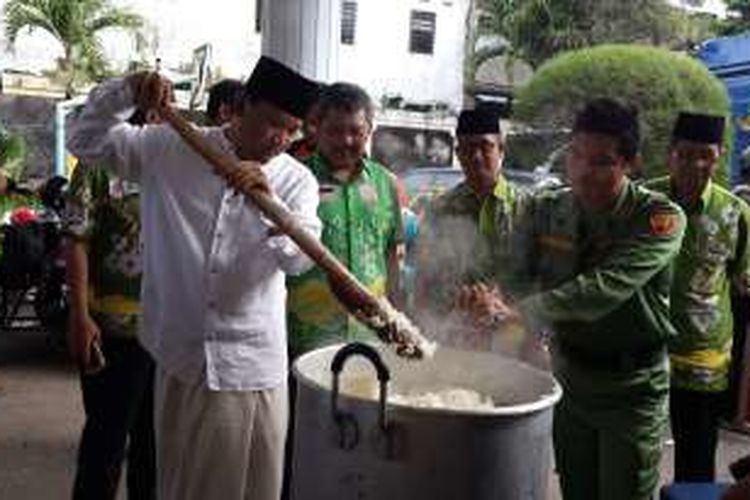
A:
<point x="622" y="361"/>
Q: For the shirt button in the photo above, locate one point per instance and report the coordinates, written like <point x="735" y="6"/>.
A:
<point x="211" y="304"/>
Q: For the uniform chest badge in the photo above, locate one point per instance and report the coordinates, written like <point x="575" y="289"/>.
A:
<point x="663" y="223"/>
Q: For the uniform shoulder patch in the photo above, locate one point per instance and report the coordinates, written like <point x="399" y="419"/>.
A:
<point x="663" y="222"/>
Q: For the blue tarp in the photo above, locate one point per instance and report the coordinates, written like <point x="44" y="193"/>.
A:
<point x="729" y="59"/>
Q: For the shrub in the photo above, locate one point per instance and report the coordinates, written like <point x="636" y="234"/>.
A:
<point x="658" y="82"/>
<point x="12" y="153"/>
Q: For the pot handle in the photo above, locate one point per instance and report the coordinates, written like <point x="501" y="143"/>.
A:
<point x="346" y="422"/>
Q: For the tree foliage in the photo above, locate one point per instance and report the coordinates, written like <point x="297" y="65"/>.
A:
<point x="738" y="19"/>
<point x="12" y="153"/>
<point x="658" y="82"/>
<point x="76" y="25"/>
<point x="536" y="30"/>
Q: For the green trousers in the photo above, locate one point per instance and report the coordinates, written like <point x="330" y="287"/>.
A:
<point x="608" y="432"/>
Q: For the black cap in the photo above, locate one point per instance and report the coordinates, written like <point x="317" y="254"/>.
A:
<point x="478" y="122"/>
<point x="706" y="129"/>
<point x="228" y="92"/>
<point x="283" y="87"/>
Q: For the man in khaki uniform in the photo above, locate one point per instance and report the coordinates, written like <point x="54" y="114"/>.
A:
<point x="595" y="259"/>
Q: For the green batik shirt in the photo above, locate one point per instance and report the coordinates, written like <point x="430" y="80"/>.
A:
<point x="449" y="248"/>
<point x="714" y="258"/>
<point x="502" y="212"/>
<point x="104" y="211"/>
<point x="599" y="282"/>
<point x="361" y="227"/>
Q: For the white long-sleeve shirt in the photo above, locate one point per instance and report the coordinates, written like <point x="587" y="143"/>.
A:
<point x="213" y="292"/>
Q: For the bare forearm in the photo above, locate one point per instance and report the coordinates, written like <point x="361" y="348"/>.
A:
<point x="76" y="274"/>
<point x="82" y="331"/>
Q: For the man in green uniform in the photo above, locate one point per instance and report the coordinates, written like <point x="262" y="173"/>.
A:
<point x="597" y="263"/>
<point x="451" y="253"/>
<point x="713" y="262"/>
<point x="361" y="222"/>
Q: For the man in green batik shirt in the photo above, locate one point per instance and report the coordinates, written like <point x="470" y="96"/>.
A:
<point x="450" y="250"/>
<point x="597" y="261"/>
<point x="361" y="222"/>
<point x="452" y="256"/>
<point x="103" y="260"/>
<point x="713" y="262"/>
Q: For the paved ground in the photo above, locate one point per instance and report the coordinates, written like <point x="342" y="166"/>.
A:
<point x="40" y="418"/>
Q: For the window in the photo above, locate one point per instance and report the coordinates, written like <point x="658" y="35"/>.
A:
<point x="422" y="32"/>
<point x="258" y="15"/>
<point x="348" y="22"/>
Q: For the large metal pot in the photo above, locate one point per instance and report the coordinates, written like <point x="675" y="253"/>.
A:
<point x="348" y="446"/>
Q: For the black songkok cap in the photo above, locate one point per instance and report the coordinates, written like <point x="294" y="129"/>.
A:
<point x="478" y="121"/>
<point x="283" y="87"/>
<point x="706" y="129"/>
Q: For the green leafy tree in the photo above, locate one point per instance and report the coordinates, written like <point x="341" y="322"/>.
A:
<point x="660" y="83"/>
<point x="12" y="153"/>
<point x="76" y="25"/>
<point x="536" y="30"/>
<point x="738" y="19"/>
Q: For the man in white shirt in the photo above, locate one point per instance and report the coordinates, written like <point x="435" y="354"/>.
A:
<point x="213" y="286"/>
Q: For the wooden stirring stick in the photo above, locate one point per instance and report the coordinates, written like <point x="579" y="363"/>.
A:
<point x="390" y="325"/>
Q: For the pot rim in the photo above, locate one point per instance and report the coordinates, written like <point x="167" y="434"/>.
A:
<point x="547" y="400"/>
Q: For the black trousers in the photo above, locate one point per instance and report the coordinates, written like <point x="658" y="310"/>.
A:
<point x="741" y="314"/>
<point x="118" y="402"/>
<point x="694" y="417"/>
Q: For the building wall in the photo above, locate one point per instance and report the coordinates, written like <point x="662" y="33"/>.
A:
<point x="183" y="25"/>
<point x="175" y="28"/>
<point x="32" y="117"/>
<point x="380" y="59"/>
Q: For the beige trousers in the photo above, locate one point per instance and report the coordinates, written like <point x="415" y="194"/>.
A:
<point x="224" y="445"/>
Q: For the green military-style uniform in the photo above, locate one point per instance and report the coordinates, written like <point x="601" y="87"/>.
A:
<point x="714" y="259"/>
<point x="361" y="226"/>
<point x="600" y="283"/>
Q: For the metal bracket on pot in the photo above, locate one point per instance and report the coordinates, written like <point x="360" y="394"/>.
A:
<point x="348" y="428"/>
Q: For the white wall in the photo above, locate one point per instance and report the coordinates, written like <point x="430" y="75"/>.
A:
<point x="182" y="25"/>
<point x="380" y="59"/>
<point x="304" y="34"/>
